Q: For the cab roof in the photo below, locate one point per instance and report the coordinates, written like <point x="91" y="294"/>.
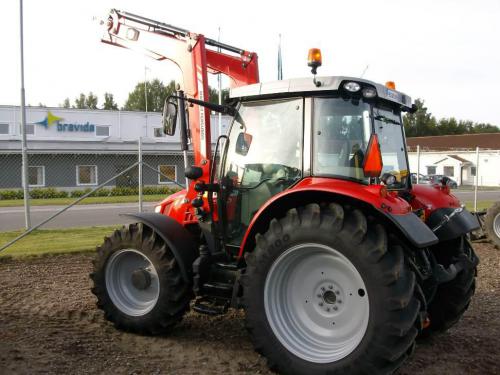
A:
<point x="304" y="85"/>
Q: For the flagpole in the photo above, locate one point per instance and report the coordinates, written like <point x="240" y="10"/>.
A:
<point x="280" y="63"/>
<point x="25" y="181"/>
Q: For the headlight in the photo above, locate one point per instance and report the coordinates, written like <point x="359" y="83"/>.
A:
<point x="369" y="92"/>
<point x="158" y="209"/>
<point x="352" y="86"/>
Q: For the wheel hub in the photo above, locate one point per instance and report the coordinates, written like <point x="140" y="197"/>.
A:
<point x="141" y="279"/>
<point x="330" y="297"/>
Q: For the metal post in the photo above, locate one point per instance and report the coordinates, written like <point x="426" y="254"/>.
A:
<point x="418" y="163"/>
<point x="139" y="161"/>
<point x="219" y="81"/>
<point x="24" y="150"/>
<point x="477" y="179"/>
<point x="146" y="91"/>
<point x="186" y="165"/>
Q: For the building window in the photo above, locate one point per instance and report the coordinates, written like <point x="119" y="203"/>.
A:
<point x="472" y="171"/>
<point x="102" y="131"/>
<point x="431" y="170"/>
<point x="4" y="128"/>
<point x="36" y="176"/>
<point x="86" y="174"/>
<point x="168" y="174"/>
<point x="158" y="132"/>
<point x="448" y="171"/>
<point x="30" y="129"/>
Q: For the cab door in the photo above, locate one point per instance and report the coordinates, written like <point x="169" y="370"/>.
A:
<point x="263" y="157"/>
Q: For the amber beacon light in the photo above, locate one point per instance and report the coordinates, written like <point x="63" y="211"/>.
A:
<point x="390" y="85"/>
<point x="314" y="59"/>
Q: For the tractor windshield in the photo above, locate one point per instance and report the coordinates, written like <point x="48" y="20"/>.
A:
<point x="342" y="129"/>
<point x="388" y="127"/>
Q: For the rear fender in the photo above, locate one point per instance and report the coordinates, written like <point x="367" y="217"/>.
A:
<point x="406" y="224"/>
<point x="177" y="238"/>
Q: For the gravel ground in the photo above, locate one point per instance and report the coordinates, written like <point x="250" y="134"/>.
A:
<point x="49" y="324"/>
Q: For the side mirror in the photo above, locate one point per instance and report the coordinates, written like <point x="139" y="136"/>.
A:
<point x="169" y="118"/>
<point x="243" y="143"/>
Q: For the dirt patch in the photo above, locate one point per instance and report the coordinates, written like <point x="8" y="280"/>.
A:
<point x="49" y="324"/>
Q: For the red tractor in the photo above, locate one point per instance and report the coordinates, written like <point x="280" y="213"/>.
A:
<point x="304" y="215"/>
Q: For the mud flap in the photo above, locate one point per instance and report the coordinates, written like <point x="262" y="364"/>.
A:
<point x="417" y="232"/>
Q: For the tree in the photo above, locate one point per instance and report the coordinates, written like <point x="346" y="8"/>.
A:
<point x="157" y="92"/>
<point x="109" y="102"/>
<point x="214" y="95"/>
<point x="66" y="103"/>
<point x="91" y="101"/>
<point x="420" y="123"/>
<point x="80" y="102"/>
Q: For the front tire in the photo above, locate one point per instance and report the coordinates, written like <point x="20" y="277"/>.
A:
<point x="323" y="293"/>
<point x="452" y="298"/>
<point x="138" y="283"/>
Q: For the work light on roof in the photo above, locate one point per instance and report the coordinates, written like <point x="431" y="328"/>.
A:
<point x="352" y="86"/>
<point x="369" y="92"/>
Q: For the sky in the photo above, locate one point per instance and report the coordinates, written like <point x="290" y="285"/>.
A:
<point x="445" y="52"/>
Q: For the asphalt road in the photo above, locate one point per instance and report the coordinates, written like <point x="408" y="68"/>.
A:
<point x="468" y="196"/>
<point x="12" y="218"/>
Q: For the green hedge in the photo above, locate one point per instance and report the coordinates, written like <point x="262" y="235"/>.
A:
<point x="48" y="193"/>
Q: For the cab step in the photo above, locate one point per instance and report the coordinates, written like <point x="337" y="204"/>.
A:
<point x="218" y="290"/>
<point x="211" y="306"/>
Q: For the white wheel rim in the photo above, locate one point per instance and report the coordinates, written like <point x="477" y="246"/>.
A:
<point x="123" y="292"/>
<point x="316" y="303"/>
<point x="496" y="225"/>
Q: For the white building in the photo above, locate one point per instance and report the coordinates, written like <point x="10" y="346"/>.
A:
<point x="73" y="148"/>
<point x="455" y="156"/>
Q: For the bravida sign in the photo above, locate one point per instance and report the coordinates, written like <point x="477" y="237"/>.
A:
<point x="51" y="120"/>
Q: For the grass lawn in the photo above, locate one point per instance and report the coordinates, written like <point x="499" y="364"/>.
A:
<point x="55" y="241"/>
<point x="481" y="205"/>
<point x="88" y="200"/>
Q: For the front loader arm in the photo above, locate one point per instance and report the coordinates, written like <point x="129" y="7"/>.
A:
<point x="188" y="51"/>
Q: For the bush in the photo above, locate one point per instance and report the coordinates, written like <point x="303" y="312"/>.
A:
<point x="124" y="190"/>
<point x="11" y="194"/>
<point x="47" y="193"/>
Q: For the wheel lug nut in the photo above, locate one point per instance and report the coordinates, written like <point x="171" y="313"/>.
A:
<point x="321" y="303"/>
<point x="339" y="301"/>
<point x="319" y="295"/>
<point x="330" y="286"/>
<point x="335" y="308"/>
<point x="337" y="292"/>
<point x="328" y="309"/>
<point x="323" y="288"/>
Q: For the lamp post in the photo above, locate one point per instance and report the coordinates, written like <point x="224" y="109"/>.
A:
<point x="25" y="180"/>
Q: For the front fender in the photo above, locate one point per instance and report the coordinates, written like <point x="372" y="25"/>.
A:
<point x="177" y="238"/>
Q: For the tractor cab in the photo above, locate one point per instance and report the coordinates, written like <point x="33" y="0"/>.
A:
<point x="287" y="131"/>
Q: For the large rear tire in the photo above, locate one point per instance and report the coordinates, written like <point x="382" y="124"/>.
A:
<point x="324" y="294"/>
<point x="452" y="298"/>
<point x="138" y="283"/>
